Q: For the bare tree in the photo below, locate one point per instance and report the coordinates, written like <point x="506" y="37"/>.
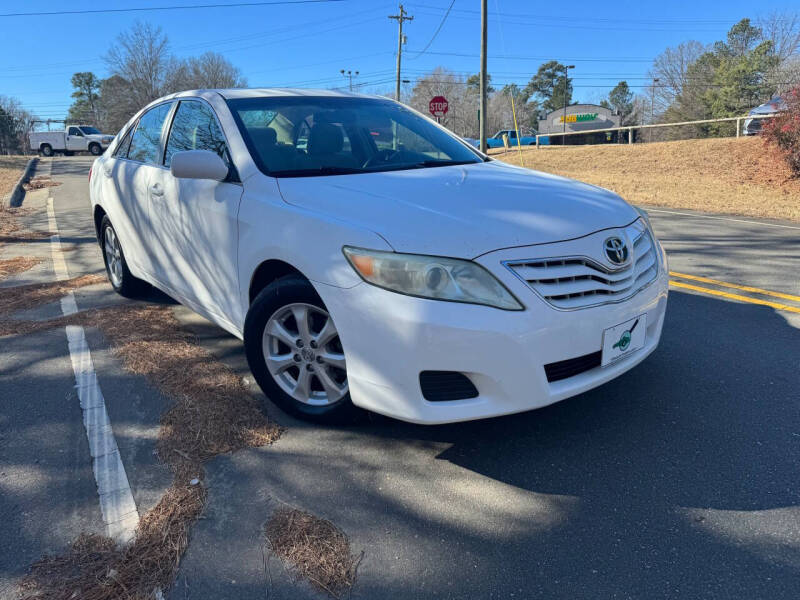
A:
<point x="141" y="58"/>
<point x="783" y="30"/>
<point x="442" y="82"/>
<point x="671" y="68"/>
<point x="212" y="70"/>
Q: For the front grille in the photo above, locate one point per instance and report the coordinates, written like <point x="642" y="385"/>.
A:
<point x="572" y="366"/>
<point x="580" y="282"/>
<point x="439" y="386"/>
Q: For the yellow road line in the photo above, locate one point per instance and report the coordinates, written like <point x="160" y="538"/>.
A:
<point x="697" y="288"/>
<point x="744" y="288"/>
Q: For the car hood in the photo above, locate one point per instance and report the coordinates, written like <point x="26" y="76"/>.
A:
<point x="462" y="211"/>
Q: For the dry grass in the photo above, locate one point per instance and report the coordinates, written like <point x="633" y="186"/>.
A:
<point x="10" y="228"/>
<point x="39" y="182"/>
<point x="11" y="168"/>
<point x="18" y="264"/>
<point x="212" y="413"/>
<point x="314" y="548"/>
<point x="21" y="297"/>
<point x="727" y="175"/>
<point x="94" y="568"/>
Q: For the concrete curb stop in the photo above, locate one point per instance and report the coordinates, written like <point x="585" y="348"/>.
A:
<point x="18" y="193"/>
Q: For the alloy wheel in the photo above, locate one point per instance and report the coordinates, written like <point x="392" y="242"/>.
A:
<point x="304" y="354"/>
<point x="113" y="256"/>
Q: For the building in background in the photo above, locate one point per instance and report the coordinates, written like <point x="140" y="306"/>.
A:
<point x="580" y="117"/>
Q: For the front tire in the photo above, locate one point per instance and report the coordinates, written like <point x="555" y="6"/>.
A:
<point x="95" y="149"/>
<point x="295" y="354"/>
<point x="123" y="282"/>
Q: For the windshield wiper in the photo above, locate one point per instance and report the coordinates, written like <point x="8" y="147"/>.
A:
<point x="441" y="163"/>
<point x="316" y="172"/>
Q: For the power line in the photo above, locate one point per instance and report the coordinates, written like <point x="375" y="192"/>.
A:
<point x="435" y="33"/>
<point x="607" y="59"/>
<point x="157" y="8"/>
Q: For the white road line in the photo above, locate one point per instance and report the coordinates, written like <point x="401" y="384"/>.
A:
<point x="116" y="500"/>
<point x="751" y="222"/>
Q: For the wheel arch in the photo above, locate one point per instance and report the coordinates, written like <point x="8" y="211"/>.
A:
<point x="267" y="272"/>
<point x="98" y="214"/>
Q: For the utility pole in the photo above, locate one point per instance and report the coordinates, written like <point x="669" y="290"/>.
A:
<point x="652" y="106"/>
<point x="349" y="75"/>
<point x="403" y="16"/>
<point x="483" y="86"/>
<point x="566" y="87"/>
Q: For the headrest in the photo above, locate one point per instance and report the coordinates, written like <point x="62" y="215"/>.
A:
<point x="325" y="139"/>
<point x="264" y="136"/>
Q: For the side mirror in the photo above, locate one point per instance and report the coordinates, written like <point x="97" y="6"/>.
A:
<point x="198" y="164"/>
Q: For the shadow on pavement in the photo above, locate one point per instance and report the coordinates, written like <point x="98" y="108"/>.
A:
<point x="677" y="479"/>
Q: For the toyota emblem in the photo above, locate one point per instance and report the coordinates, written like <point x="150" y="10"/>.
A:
<point x="616" y="250"/>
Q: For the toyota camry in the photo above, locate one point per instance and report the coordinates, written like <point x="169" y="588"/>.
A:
<point x="368" y="258"/>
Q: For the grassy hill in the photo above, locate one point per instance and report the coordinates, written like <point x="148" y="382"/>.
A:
<point x="728" y="175"/>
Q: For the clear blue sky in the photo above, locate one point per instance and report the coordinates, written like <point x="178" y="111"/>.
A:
<point x="306" y="45"/>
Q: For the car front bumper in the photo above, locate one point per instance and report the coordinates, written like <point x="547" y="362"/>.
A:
<point x="389" y="338"/>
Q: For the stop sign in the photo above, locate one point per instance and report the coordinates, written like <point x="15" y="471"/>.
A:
<point x="438" y="106"/>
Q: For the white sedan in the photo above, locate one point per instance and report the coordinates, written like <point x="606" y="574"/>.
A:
<point x="369" y="258"/>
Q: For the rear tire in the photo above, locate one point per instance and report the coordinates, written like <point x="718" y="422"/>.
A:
<point x="46" y="150"/>
<point x="299" y="365"/>
<point x="117" y="270"/>
<point x="95" y="149"/>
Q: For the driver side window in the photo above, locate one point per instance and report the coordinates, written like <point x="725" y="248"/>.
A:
<point x="195" y="128"/>
<point x="74" y="131"/>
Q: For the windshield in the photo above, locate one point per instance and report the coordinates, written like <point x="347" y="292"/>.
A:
<point x="90" y="130"/>
<point x="307" y="136"/>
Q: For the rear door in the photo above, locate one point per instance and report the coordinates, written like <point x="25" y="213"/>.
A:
<point x="199" y="216"/>
<point x="140" y="169"/>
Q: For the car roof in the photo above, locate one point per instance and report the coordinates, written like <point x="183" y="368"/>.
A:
<point x="236" y="93"/>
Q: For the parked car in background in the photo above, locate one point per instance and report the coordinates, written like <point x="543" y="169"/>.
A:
<point x="773" y="107"/>
<point x="370" y="258"/>
<point x="75" y="138"/>
<point x="496" y="141"/>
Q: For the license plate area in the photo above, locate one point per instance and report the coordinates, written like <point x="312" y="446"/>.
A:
<point x="623" y="339"/>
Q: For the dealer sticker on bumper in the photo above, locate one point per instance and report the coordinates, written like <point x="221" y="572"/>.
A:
<point x="623" y="339"/>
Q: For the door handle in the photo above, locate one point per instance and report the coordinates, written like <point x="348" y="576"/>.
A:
<point x="156" y="190"/>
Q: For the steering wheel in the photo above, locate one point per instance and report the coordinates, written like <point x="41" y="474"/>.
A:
<point x="384" y="155"/>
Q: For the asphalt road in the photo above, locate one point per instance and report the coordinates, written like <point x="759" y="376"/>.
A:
<point x="679" y="479"/>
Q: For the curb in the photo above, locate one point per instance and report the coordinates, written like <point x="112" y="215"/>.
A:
<point x="18" y="193"/>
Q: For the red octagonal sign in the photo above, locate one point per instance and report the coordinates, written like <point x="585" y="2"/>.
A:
<point x="438" y="106"/>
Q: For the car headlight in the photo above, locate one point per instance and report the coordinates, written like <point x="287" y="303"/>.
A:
<point x="432" y="277"/>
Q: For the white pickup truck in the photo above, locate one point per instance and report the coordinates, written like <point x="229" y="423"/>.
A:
<point x="74" y="139"/>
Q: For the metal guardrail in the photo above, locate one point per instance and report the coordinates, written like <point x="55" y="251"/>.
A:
<point x="631" y="128"/>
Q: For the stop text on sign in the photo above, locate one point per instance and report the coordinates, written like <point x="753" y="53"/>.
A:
<point x="438" y="106"/>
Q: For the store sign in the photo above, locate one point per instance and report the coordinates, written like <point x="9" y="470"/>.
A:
<point x="579" y="118"/>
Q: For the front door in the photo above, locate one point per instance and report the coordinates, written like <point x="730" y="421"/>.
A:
<point x="199" y="217"/>
<point x="75" y="139"/>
